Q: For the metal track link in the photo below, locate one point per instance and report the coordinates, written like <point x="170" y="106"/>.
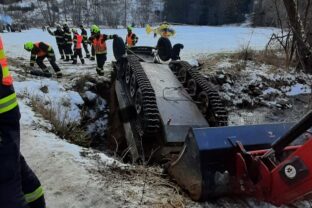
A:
<point x="150" y="116"/>
<point x="216" y="115"/>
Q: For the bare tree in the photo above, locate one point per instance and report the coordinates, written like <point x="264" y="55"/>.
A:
<point x="303" y="47"/>
<point x="49" y="10"/>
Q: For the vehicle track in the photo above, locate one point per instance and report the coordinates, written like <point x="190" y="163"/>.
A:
<point x="202" y="92"/>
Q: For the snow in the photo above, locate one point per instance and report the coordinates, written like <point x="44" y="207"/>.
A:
<point x="90" y="95"/>
<point x="64" y="102"/>
<point x="297" y="89"/>
<point x="196" y="39"/>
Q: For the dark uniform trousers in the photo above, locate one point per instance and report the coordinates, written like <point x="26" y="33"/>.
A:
<point x="68" y="51"/>
<point x="85" y="47"/>
<point x="78" y="52"/>
<point x="52" y="60"/>
<point x="61" y="49"/>
<point x="19" y="186"/>
<point x="100" y="60"/>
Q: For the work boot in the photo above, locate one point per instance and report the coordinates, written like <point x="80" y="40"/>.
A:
<point x="59" y="74"/>
<point x="67" y="58"/>
<point x="82" y="61"/>
<point x="92" y="58"/>
<point x="100" y="72"/>
<point x="46" y="73"/>
<point x="87" y="56"/>
<point x="74" y="62"/>
<point x="62" y="57"/>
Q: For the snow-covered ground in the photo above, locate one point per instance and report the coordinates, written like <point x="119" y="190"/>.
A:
<point x="75" y="177"/>
<point x="196" y="40"/>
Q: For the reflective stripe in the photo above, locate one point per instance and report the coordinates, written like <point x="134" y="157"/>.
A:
<point x="31" y="197"/>
<point x="2" y="54"/>
<point x="5" y="71"/>
<point x="7" y="98"/>
<point x="102" y="52"/>
<point x="8" y="103"/>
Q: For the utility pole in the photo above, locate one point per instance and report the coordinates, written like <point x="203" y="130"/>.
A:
<point x="125" y="13"/>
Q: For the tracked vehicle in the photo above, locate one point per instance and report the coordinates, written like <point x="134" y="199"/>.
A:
<point x="168" y="98"/>
<point x="173" y="114"/>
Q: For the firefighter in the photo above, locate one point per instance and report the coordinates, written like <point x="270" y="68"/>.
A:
<point x="19" y="186"/>
<point x="60" y="41"/>
<point x="85" y="41"/>
<point x="78" y="39"/>
<point x="68" y="43"/>
<point x="131" y="38"/>
<point x="98" y="41"/>
<point x="40" y="51"/>
<point x="93" y="27"/>
<point x="165" y="30"/>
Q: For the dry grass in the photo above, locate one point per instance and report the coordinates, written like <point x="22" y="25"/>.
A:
<point x="81" y="82"/>
<point x="274" y="58"/>
<point x="63" y="128"/>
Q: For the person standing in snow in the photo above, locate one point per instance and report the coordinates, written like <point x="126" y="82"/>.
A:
<point x="77" y="47"/>
<point x="40" y="51"/>
<point x="92" y="57"/>
<point x="68" y="43"/>
<point x="98" y="41"/>
<point x="19" y="186"/>
<point x="85" y="41"/>
<point x="60" y="41"/>
<point x="131" y="38"/>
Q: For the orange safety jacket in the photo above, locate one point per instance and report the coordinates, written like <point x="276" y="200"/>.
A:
<point x="41" y="52"/>
<point x="8" y="99"/>
<point x="130" y="40"/>
<point x="99" y="44"/>
<point x="78" y="40"/>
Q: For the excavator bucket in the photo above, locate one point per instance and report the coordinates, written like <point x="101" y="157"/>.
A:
<point x="206" y="165"/>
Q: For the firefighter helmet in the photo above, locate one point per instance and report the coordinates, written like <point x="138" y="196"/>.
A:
<point x="129" y="28"/>
<point x="28" y="46"/>
<point x="58" y="26"/>
<point x="95" y="29"/>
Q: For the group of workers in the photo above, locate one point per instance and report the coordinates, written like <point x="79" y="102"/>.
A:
<point x="70" y="43"/>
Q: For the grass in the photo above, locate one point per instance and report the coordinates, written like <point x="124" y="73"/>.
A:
<point x="274" y="58"/>
<point x="62" y="127"/>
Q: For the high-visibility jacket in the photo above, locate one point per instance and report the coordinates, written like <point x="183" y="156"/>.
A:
<point x="41" y="49"/>
<point x="8" y="99"/>
<point x="77" y="41"/>
<point x="99" y="44"/>
<point x="131" y="39"/>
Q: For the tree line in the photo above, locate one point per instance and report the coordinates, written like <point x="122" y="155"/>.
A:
<point x="207" y="12"/>
<point x="103" y="12"/>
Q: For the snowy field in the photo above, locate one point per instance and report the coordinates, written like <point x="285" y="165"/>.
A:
<point x="197" y="40"/>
